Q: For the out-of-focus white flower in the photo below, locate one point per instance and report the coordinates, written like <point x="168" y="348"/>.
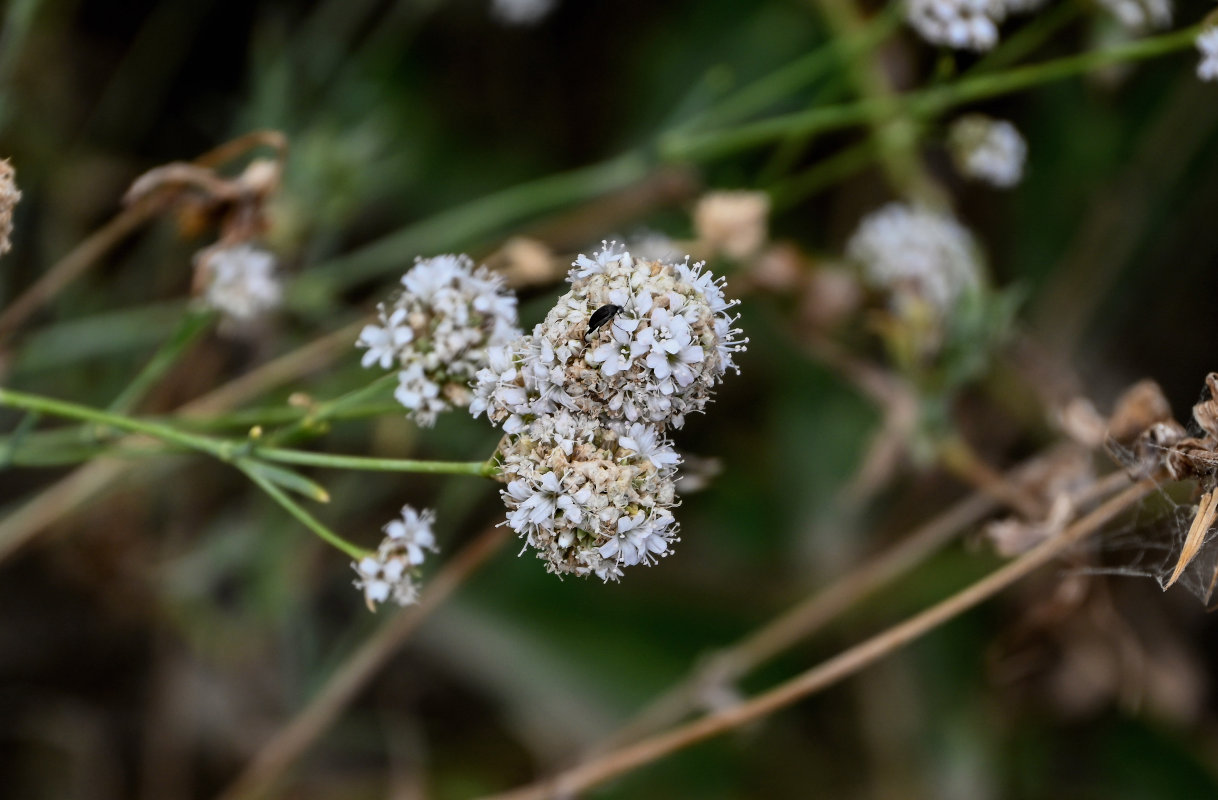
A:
<point x="1207" y="43"/>
<point x="521" y="12"/>
<point x="590" y="497"/>
<point x="916" y="252"/>
<point x="733" y="222"/>
<point x="960" y="24"/>
<point x="238" y="280"/>
<point x="393" y="571"/>
<point x="9" y="195"/>
<point x="438" y="332"/>
<point x="989" y="150"/>
<point x="656" y="359"/>
<point x="1139" y="16"/>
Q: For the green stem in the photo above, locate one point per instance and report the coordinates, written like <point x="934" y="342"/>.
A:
<point x="190" y="328"/>
<point x="61" y="408"/>
<point x="467" y="222"/>
<point x="686" y="146"/>
<point x="481" y="469"/>
<point x="305" y="518"/>
<point x="1028" y="38"/>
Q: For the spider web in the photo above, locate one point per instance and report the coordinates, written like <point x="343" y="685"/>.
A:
<point x="1150" y="543"/>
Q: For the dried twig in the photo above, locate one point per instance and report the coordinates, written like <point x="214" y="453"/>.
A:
<point x="829" y="672"/>
<point x="294" y="738"/>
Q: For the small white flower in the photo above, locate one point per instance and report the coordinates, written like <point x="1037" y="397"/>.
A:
<point x="960" y="24"/>
<point x="1207" y="43"/>
<point x="239" y="280"/>
<point x="440" y="332"/>
<point x="989" y="150"/>
<point x="393" y="570"/>
<point x="916" y="252"/>
<point x="651" y="444"/>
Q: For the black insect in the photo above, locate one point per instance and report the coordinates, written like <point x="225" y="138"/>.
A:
<point x="600" y="316"/>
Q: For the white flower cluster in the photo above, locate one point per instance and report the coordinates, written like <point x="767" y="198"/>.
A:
<point x="916" y="252"/>
<point x="438" y="332"/>
<point x="1139" y="16"/>
<point x="591" y="497"/>
<point x="393" y="570"/>
<point x="961" y="24"/>
<point x="633" y="347"/>
<point x="1207" y="43"/>
<point x="655" y="359"/>
<point x="238" y="280"/>
<point x="990" y="150"/>
<point x="964" y="24"/>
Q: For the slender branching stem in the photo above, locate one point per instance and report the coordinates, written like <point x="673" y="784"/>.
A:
<point x="832" y="671"/>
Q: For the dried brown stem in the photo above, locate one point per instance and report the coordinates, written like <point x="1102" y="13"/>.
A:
<point x="73" y="265"/>
<point x="825" y="604"/>
<point x="829" y="672"/>
<point x="294" y="739"/>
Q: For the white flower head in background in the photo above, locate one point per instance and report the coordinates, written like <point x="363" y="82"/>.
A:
<point x="633" y="340"/>
<point x="916" y="252"/>
<point x="521" y="12"/>
<point x="590" y="497"/>
<point x="1140" y="16"/>
<point x="1207" y="43"/>
<point x="959" y="24"/>
<point x="438" y="332"/>
<point x="733" y="222"/>
<point x="238" y="280"/>
<point x="9" y="195"/>
<point x="392" y="572"/>
<point x="989" y="150"/>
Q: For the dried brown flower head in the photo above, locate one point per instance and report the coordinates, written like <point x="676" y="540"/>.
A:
<point x="9" y="195"/>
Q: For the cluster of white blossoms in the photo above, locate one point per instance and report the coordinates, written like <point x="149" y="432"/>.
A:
<point x="1139" y="16"/>
<point x="1207" y="43"/>
<point x="964" y="24"/>
<point x="584" y="399"/>
<point x="392" y="572"/>
<point x="961" y="24"/>
<point x="987" y="149"/>
<point x="916" y="253"/>
<point x="238" y="280"/>
<point x="666" y="340"/>
<point x="591" y="497"/>
<point x="9" y="195"/>
<point x="439" y="331"/>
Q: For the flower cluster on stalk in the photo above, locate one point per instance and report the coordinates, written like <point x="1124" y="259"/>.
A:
<point x="238" y="280"/>
<point x="585" y="405"/>
<point x="392" y="572"/>
<point x="987" y="149"/>
<point x="917" y="255"/>
<point x="439" y="331"/>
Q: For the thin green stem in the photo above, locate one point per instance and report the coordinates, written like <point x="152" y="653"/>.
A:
<point x="480" y="469"/>
<point x="1028" y="38"/>
<point x="305" y="518"/>
<point x="927" y="103"/>
<point x="192" y="326"/>
<point x="61" y="408"/>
